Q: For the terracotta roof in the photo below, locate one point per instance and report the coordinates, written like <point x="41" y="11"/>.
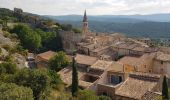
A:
<point x="116" y="67"/>
<point x="66" y="77"/>
<point x="133" y="61"/>
<point x="137" y="85"/>
<point x="100" y="49"/>
<point x="86" y="60"/>
<point x="101" y="64"/>
<point x="46" y="55"/>
<point x="142" y="49"/>
<point x="163" y="57"/>
<point x="149" y="95"/>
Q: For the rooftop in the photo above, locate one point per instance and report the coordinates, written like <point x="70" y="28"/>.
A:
<point x="116" y="67"/>
<point x="46" y="55"/>
<point x="101" y="64"/>
<point x="163" y="57"/>
<point x="83" y="77"/>
<point x="128" y="60"/>
<point x="137" y="85"/>
<point x="85" y="60"/>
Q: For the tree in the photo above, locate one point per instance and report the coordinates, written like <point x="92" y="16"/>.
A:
<point x="67" y="27"/>
<point x="6" y="18"/>
<point x="56" y="82"/>
<point x="11" y="91"/>
<point x="165" y="89"/>
<point x="37" y="80"/>
<point x="74" y="78"/>
<point x="8" y="68"/>
<point x="87" y="95"/>
<point x="30" y="39"/>
<point x="59" y="61"/>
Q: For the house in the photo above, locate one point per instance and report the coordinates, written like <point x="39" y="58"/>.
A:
<point x="111" y="80"/>
<point x="42" y="59"/>
<point x="85" y="61"/>
<point x="138" y="85"/>
<point x="139" y="64"/>
<point x="162" y="63"/>
<point x="90" y="71"/>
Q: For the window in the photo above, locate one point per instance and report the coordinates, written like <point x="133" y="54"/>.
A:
<point x="162" y="62"/>
<point x="116" y="79"/>
<point x="104" y="94"/>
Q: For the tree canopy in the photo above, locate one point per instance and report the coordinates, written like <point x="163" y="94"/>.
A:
<point x="11" y="91"/>
<point x="59" y="61"/>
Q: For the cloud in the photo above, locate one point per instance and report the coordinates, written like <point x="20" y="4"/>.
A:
<point x="94" y="7"/>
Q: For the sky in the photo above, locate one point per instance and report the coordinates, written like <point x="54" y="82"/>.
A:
<point x="94" y="7"/>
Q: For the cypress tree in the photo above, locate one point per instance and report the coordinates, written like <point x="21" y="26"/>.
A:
<point x="74" y="78"/>
<point x="165" y="89"/>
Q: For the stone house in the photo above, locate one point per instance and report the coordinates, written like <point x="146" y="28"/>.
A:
<point x="139" y="64"/>
<point x="162" y="63"/>
<point x="42" y="60"/>
<point x="138" y="85"/>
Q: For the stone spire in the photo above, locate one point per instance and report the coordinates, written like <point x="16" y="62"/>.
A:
<point x="85" y="24"/>
<point x="85" y="17"/>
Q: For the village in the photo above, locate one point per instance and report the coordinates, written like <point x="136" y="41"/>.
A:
<point x="112" y="65"/>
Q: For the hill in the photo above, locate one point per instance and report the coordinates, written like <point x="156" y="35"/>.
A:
<point x="153" y="26"/>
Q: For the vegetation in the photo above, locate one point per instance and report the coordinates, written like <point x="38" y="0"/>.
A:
<point x="74" y="86"/>
<point x="90" y="95"/>
<point x="165" y="95"/>
<point x="11" y="91"/>
<point x="59" y="61"/>
<point x="36" y="84"/>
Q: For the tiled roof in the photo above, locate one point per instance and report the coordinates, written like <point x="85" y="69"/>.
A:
<point x="163" y="57"/>
<point x="46" y="55"/>
<point x="101" y="64"/>
<point x="66" y="77"/>
<point x="149" y="95"/>
<point x="86" y="60"/>
<point x="137" y="85"/>
<point x="116" y="67"/>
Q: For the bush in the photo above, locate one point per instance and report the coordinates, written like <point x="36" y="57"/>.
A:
<point x="11" y="91"/>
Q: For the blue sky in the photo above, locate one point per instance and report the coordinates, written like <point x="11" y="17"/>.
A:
<point x="94" y="7"/>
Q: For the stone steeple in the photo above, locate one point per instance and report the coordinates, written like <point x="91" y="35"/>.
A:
<point x="85" y="17"/>
<point x="85" y="24"/>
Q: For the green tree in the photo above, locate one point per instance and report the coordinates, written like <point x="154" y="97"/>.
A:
<point x="11" y="91"/>
<point x="56" y="82"/>
<point x="8" y="68"/>
<point x="59" y="61"/>
<point x="87" y="95"/>
<point x="37" y="80"/>
<point x="74" y="78"/>
<point x="6" y="19"/>
<point x="67" y="27"/>
<point x="30" y="39"/>
<point x="165" y="95"/>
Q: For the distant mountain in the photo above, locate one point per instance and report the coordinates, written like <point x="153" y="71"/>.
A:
<point x="117" y="18"/>
<point x="153" y="26"/>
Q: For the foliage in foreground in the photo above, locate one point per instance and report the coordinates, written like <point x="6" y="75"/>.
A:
<point x="11" y="91"/>
<point x="59" y="61"/>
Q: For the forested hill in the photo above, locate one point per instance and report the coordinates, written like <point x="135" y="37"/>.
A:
<point x="153" y="26"/>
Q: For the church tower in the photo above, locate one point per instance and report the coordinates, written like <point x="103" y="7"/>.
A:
<point x="85" y="24"/>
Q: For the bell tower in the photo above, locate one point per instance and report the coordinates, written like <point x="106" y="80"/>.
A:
<point x="85" y="24"/>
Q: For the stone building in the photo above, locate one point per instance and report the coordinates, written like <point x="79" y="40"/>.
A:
<point x="138" y="85"/>
<point x="161" y="63"/>
<point x="42" y="60"/>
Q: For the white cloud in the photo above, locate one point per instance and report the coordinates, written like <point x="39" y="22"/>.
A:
<point x="94" y="7"/>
